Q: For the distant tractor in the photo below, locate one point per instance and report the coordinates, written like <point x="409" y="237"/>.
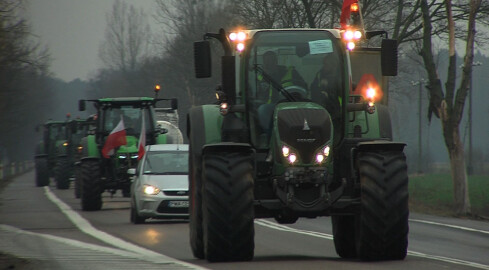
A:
<point x="293" y="137"/>
<point x="99" y="171"/>
<point x="54" y="135"/>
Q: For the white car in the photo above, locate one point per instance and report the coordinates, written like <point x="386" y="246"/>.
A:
<point x="160" y="184"/>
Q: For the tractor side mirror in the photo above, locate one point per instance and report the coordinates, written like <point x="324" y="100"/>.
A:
<point x="174" y="103"/>
<point x="202" y="59"/>
<point x="388" y="58"/>
<point x="81" y="105"/>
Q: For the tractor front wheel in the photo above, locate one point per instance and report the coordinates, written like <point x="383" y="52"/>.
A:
<point x="344" y="236"/>
<point x="62" y="173"/>
<point x="91" y="195"/>
<point x="77" y="182"/>
<point x="382" y="225"/>
<point x="227" y="207"/>
<point x="42" y="174"/>
<point x="195" y="206"/>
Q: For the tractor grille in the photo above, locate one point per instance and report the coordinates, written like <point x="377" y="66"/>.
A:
<point x="305" y="130"/>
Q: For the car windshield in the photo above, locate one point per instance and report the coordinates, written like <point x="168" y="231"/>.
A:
<point x="166" y="162"/>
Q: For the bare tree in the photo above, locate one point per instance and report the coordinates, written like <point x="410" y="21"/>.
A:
<point x="449" y="105"/>
<point x="184" y="22"/>
<point x="127" y="37"/>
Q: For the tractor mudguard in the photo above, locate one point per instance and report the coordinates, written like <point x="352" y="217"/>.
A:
<point x="90" y="149"/>
<point x="204" y="124"/>
<point x="380" y="145"/>
<point x="228" y="147"/>
<point x="40" y="151"/>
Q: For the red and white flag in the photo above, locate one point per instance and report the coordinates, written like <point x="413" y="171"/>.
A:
<point x="345" y="12"/>
<point x="142" y="140"/>
<point x="116" y="138"/>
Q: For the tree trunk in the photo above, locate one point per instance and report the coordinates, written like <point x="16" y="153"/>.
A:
<point x="459" y="175"/>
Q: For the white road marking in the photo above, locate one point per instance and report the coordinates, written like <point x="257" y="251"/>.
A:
<point x="275" y="226"/>
<point x="85" y="226"/>
<point x="449" y="225"/>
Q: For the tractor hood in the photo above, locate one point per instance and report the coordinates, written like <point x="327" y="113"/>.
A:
<point x="303" y="126"/>
<point x="130" y="147"/>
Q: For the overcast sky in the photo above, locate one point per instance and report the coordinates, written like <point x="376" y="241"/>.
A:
<point x="73" y="30"/>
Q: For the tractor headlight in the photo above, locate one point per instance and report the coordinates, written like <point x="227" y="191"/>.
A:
<point x="322" y="155"/>
<point x="150" y="190"/>
<point x="134" y="156"/>
<point x="292" y="158"/>
<point x="285" y="151"/>
<point x="123" y="156"/>
<point x="65" y="144"/>
<point x="289" y="155"/>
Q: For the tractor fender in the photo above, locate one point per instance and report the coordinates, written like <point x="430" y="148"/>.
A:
<point x="204" y="124"/>
<point x="373" y="146"/>
<point x="228" y="147"/>
<point x="40" y="151"/>
<point x="380" y="145"/>
<point x="90" y="147"/>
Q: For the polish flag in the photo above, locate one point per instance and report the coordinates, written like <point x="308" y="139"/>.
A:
<point x="142" y="140"/>
<point x="345" y="12"/>
<point x="116" y="138"/>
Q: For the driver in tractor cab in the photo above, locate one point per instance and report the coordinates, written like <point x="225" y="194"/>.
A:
<point x="287" y="77"/>
<point x="327" y="84"/>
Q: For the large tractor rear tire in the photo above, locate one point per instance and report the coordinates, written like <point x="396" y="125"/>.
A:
<point x="91" y="195"/>
<point x="227" y="207"/>
<point x="195" y="207"/>
<point x="42" y="174"/>
<point x="77" y="182"/>
<point x="62" y="173"/>
<point x="382" y="226"/>
<point x="344" y="236"/>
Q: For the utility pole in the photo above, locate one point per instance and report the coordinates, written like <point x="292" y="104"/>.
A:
<point x="470" y="168"/>
<point x="420" y="106"/>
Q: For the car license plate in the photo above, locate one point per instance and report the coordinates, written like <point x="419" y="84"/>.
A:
<point x="178" y="204"/>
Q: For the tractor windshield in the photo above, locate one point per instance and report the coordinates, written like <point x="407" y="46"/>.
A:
<point x="131" y="116"/>
<point x="56" y="132"/>
<point x="288" y="66"/>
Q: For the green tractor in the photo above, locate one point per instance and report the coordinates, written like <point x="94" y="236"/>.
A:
<point x="54" y="135"/>
<point x="105" y="169"/>
<point x="83" y="128"/>
<point x="66" y="152"/>
<point x="301" y="131"/>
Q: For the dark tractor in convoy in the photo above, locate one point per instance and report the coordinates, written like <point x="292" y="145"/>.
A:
<point x="99" y="171"/>
<point x="54" y="135"/>
<point x="303" y="133"/>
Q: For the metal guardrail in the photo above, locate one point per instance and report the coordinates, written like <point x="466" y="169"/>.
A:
<point x="15" y="168"/>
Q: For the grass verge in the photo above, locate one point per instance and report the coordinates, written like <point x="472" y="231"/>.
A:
<point x="433" y="194"/>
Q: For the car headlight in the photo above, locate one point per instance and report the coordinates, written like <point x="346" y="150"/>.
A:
<point x="150" y="190"/>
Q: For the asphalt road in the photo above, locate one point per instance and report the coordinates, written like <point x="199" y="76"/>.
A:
<point x="47" y="227"/>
